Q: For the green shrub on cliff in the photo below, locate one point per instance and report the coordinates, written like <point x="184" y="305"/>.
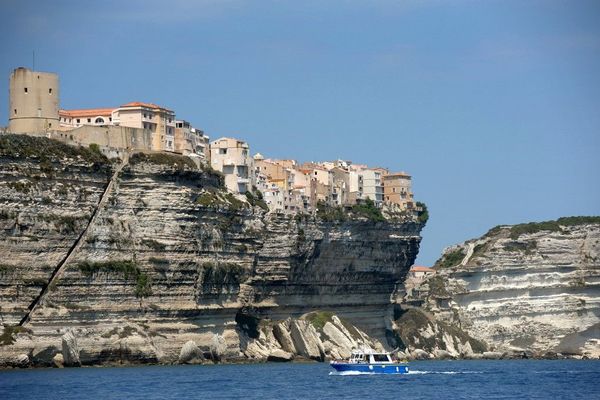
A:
<point x="520" y="247"/>
<point x="580" y="220"/>
<point x="328" y="213"/>
<point x="208" y="199"/>
<point x="128" y="269"/>
<point x="550" y="226"/>
<point x="234" y="204"/>
<point x="256" y="199"/>
<point x="143" y="287"/>
<point x="422" y="213"/>
<point x="8" y="336"/>
<point x="221" y="274"/>
<point x="412" y="324"/>
<point x="533" y="227"/>
<point x="437" y="287"/>
<point x="368" y="210"/>
<point x="46" y="150"/>
<point x="171" y="160"/>
<point x="318" y="319"/>
<point x="450" y="259"/>
<point x="95" y="148"/>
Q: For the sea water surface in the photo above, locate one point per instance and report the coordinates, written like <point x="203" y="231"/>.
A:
<point x="504" y="379"/>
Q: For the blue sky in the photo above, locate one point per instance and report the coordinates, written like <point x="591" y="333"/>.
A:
<point x="492" y="106"/>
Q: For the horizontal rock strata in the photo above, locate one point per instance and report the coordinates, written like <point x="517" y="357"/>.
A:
<point x="525" y="290"/>
<point x="172" y="259"/>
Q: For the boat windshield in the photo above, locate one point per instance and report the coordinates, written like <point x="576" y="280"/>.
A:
<point x="381" y="358"/>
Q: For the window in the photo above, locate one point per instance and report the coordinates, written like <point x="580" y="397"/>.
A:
<point x="50" y="125"/>
<point x="222" y="151"/>
<point x="110" y="119"/>
<point x="99" y="120"/>
<point x="39" y="112"/>
<point x="15" y="111"/>
<point x="50" y="91"/>
<point x="145" y="115"/>
<point x="78" y="120"/>
<point x="89" y="120"/>
<point x="26" y="90"/>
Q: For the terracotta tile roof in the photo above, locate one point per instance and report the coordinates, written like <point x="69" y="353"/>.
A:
<point x="146" y="105"/>
<point x="419" y="268"/>
<point x="397" y="174"/>
<point x="90" y="112"/>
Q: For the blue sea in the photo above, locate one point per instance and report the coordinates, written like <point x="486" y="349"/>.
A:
<point x="518" y="379"/>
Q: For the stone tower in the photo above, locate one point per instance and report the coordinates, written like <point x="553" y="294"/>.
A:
<point x="34" y="101"/>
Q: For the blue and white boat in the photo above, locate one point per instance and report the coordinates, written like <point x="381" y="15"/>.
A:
<point x="368" y="361"/>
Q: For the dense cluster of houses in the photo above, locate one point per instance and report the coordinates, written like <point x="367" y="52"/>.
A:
<point x="286" y="185"/>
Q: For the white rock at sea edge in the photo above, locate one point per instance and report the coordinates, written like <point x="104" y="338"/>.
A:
<point x="70" y="350"/>
<point x="190" y="352"/>
<point x="420" y="354"/>
<point x="58" y="361"/>
<point x="492" y="355"/>
<point x="306" y="340"/>
<point x="443" y="355"/>
<point x="22" y="360"/>
<point x="282" y="334"/>
<point x="218" y="346"/>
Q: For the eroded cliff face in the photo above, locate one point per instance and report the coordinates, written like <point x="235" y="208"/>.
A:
<point x="531" y="289"/>
<point x="172" y="260"/>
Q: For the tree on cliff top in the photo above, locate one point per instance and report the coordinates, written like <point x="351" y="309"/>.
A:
<point x="423" y="213"/>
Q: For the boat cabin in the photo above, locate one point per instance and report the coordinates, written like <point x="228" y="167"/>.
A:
<point x="370" y="358"/>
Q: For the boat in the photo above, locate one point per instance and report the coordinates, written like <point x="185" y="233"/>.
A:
<point x="369" y="361"/>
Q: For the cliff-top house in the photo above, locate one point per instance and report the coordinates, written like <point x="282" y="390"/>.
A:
<point x="232" y="158"/>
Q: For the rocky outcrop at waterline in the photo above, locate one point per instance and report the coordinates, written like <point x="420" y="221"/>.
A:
<point x="529" y="290"/>
<point x="157" y="263"/>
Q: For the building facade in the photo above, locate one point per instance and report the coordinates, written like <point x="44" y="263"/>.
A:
<point x="397" y="189"/>
<point x="232" y="158"/>
<point x="92" y="116"/>
<point x="372" y="185"/>
<point x="159" y="120"/>
<point x="191" y="141"/>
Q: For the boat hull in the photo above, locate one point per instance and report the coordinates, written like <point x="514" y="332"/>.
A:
<point x="371" y="368"/>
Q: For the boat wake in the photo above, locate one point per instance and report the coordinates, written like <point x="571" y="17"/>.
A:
<point x="411" y="372"/>
<point x="347" y="373"/>
<point x="351" y="373"/>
